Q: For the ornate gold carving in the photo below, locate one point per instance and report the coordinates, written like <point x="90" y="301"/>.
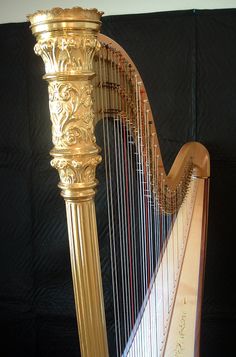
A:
<point x="58" y="13"/>
<point x="70" y="54"/>
<point x="71" y="109"/>
<point x="67" y="51"/>
<point x="77" y="170"/>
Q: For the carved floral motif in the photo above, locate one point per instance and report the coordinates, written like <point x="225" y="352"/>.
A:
<point x="68" y="54"/>
<point x="71" y="109"/>
<point x="76" y="170"/>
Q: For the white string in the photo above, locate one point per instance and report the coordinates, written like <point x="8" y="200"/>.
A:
<point x="125" y="200"/>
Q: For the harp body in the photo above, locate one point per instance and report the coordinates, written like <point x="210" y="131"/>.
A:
<point x="157" y="222"/>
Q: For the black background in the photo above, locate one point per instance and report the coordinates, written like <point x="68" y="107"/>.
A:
<point x="187" y="60"/>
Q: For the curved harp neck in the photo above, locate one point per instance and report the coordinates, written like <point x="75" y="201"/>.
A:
<point x="117" y="75"/>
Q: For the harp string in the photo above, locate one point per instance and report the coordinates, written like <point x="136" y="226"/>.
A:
<point x="144" y="214"/>
<point x="124" y="207"/>
<point x="149" y="213"/>
<point x="124" y="248"/>
<point x="140" y="189"/>
<point x="110" y="206"/>
<point x="131" y="197"/>
<point x="126" y="199"/>
<point x="156" y="232"/>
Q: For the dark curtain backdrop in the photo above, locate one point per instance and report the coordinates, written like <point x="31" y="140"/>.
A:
<point x="188" y="63"/>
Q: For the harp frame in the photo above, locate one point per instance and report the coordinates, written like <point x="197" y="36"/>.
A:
<point x="67" y="40"/>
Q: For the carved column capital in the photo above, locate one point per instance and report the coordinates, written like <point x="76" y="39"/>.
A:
<point x="68" y="55"/>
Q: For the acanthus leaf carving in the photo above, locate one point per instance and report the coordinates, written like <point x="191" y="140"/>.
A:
<point x="71" y="109"/>
<point x="69" y="55"/>
<point x="79" y="170"/>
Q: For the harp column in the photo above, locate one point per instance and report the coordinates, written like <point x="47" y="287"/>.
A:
<point x="67" y="42"/>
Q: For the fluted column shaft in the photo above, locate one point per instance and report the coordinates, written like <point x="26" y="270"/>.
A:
<point x="86" y="274"/>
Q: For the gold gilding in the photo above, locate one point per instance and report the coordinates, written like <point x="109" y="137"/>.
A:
<point x="67" y="41"/>
<point x="58" y="18"/>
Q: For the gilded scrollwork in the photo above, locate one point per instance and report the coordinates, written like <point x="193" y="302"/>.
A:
<point x="71" y="109"/>
<point x="79" y="170"/>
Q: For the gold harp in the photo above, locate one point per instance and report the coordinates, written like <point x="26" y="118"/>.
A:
<point x="157" y="222"/>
